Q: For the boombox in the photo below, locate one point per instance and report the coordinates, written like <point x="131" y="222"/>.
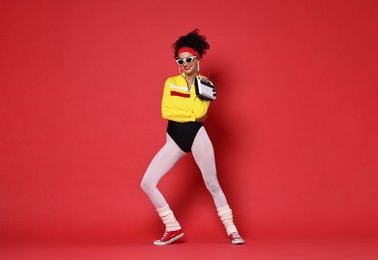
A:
<point x="205" y="90"/>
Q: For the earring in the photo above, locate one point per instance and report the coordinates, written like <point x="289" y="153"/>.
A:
<point x="180" y="70"/>
<point x="198" y="66"/>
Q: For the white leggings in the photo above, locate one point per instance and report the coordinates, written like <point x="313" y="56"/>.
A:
<point x="166" y="158"/>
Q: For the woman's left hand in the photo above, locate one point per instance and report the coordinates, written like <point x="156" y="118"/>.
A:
<point x="203" y="78"/>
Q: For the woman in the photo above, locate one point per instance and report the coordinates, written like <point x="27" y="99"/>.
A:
<point x="185" y="113"/>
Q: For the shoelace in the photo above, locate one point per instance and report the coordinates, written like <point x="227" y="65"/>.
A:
<point x="165" y="235"/>
<point x="235" y="235"/>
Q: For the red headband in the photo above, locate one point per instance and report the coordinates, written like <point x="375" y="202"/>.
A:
<point x="188" y="49"/>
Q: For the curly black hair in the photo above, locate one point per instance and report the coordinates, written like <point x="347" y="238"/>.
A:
<point x="192" y="40"/>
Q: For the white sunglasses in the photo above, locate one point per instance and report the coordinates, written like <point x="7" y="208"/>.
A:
<point x="187" y="60"/>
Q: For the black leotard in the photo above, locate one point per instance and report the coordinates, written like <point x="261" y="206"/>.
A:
<point x="183" y="133"/>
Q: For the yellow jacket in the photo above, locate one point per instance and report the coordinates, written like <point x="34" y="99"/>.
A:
<point x="179" y="104"/>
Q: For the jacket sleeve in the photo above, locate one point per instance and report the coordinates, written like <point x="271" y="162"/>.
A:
<point x="200" y="107"/>
<point x="169" y="111"/>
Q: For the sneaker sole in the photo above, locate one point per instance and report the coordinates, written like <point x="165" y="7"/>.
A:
<point x="173" y="239"/>
<point x="238" y="242"/>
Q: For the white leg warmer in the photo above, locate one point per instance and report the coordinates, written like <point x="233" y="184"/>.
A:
<point x="168" y="218"/>
<point x="225" y="214"/>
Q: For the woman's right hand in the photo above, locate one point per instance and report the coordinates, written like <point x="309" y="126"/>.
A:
<point x="201" y="119"/>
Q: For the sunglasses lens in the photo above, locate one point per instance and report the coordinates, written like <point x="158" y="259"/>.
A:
<point x="189" y="60"/>
<point x="180" y="61"/>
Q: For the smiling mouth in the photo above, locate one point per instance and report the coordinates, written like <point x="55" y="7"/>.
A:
<point x="187" y="67"/>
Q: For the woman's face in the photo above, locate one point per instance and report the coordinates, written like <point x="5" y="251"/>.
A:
<point x="189" y="68"/>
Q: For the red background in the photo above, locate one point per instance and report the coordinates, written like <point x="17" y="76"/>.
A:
<point x="294" y="126"/>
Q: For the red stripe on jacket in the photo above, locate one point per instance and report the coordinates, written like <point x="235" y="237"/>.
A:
<point x="175" y="93"/>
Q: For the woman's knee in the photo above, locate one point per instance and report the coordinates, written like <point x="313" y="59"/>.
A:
<point x="213" y="186"/>
<point x="146" y="186"/>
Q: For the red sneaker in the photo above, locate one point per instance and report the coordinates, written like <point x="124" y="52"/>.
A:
<point x="169" y="237"/>
<point x="236" y="239"/>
